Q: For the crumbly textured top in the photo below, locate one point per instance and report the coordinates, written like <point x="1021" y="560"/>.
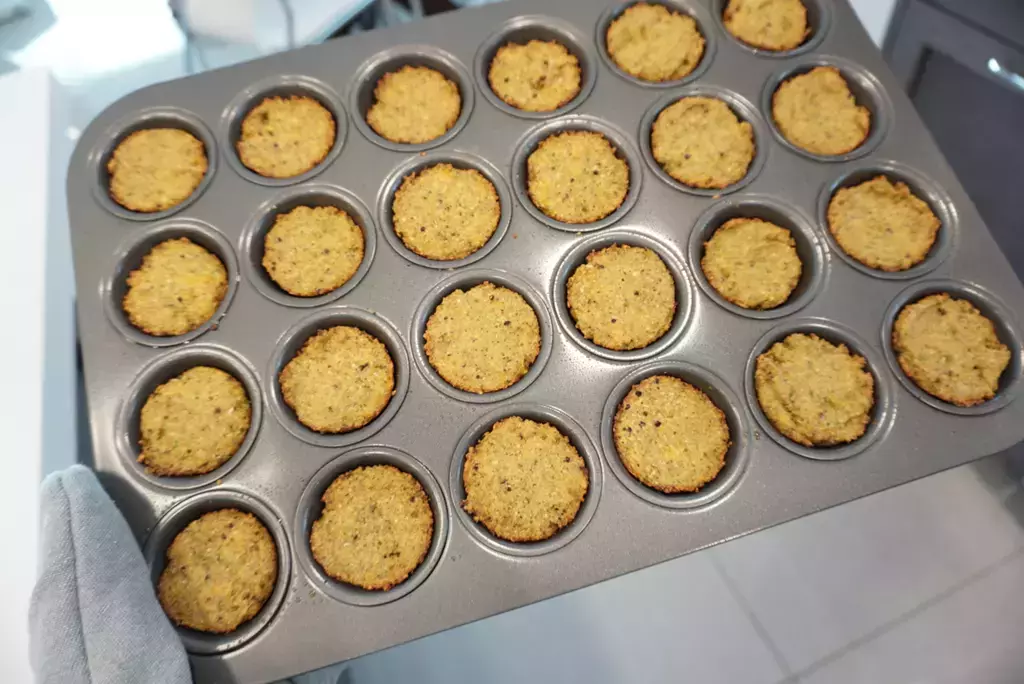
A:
<point x="670" y="435"/>
<point x="220" y="571"/>
<point x="950" y="349"/>
<point x="177" y="288"/>
<point x="340" y="380"/>
<point x="622" y="298"/>
<point x="524" y="480"/>
<point x="483" y="339"/>
<point x="577" y="177"/>
<point x="817" y="112"/>
<point x="375" y="529"/>
<point x="654" y="43"/>
<point x="815" y="392"/>
<point x="310" y="251"/>
<point x="752" y="263"/>
<point x="156" y="168"/>
<point x="445" y="213"/>
<point x="414" y="105"/>
<point x="540" y="76"/>
<point x="701" y="142"/>
<point x="883" y="224"/>
<point x="286" y="136"/>
<point x="194" y="422"/>
<point x="767" y="24"/>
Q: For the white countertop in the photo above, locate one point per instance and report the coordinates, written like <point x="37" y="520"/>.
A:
<point x="37" y="406"/>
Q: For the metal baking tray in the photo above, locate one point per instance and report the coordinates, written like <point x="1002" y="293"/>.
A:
<point x="282" y="467"/>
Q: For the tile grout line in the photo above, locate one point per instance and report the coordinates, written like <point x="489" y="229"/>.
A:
<point x="759" y="628"/>
<point x="908" y="615"/>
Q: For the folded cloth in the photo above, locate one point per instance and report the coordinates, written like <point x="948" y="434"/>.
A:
<point x="94" y="617"/>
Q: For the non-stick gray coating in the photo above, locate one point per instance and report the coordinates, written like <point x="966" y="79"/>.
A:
<point x="626" y="532"/>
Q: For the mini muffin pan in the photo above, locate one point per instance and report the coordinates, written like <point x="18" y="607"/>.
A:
<point x="283" y="467"/>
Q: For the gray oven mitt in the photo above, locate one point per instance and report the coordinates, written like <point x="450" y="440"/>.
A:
<point x="94" y="617"/>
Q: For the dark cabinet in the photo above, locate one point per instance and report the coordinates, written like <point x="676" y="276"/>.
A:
<point x="967" y="81"/>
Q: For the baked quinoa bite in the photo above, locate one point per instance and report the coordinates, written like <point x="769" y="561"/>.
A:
<point x="540" y="76"/>
<point x="310" y="251"/>
<point x="193" y="423"/>
<point x="576" y="177"/>
<point x="700" y="142"/>
<point x="817" y="112"/>
<point x="815" y="392"/>
<point x="775" y="25"/>
<point x="155" y="169"/>
<point x="950" y="349"/>
<point x="670" y="435"/>
<point x="882" y="224"/>
<point x="178" y="288"/>
<point x="375" y="529"/>
<point x="752" y="263"/>
<point x="220" y="571"/>
<point x="622" y="298"/>
<point x="414" y="105"/>
<point x="340" y="380"/>
<point x="445" y="213"/>
<point x="283" y="137"/>
<point x="483" y="339"/>
<point x="524" y="480"/>
<point x="654" y="43"/>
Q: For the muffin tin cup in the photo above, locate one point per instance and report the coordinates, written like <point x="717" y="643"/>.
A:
<point x="177" y="518"/>
<point x="155" y="117"/>
<point x="882" y="413"/>
<point x="281" y="86"/>
<point x="460" y="160"/>
<point x="808" y="247"/>
<point x="292" y="342"/>
<point x="577" y="256"/>
<point x="128" y="257"/>
<point x="743" y="109"/>
<point x="924" y="188"/>
<point x="251" y="244"/>
<point x="819" y="20"/>
<point x="579" y="439"/>
<point x="687" y="7"/>
<point x="160" y="371"/>
<point x="993" y="309"/>
<point x="311" y="507"/>
<point x="866" y="89"/>
<point x="521" y="30"/>
<point x="576" y="122"/>
<point x="736" y="460"/>
<point x="465" y="281"/>
<point x="361" y="97"/>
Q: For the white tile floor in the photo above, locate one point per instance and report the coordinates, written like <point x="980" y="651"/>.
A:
<point x="918" y="584"/>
